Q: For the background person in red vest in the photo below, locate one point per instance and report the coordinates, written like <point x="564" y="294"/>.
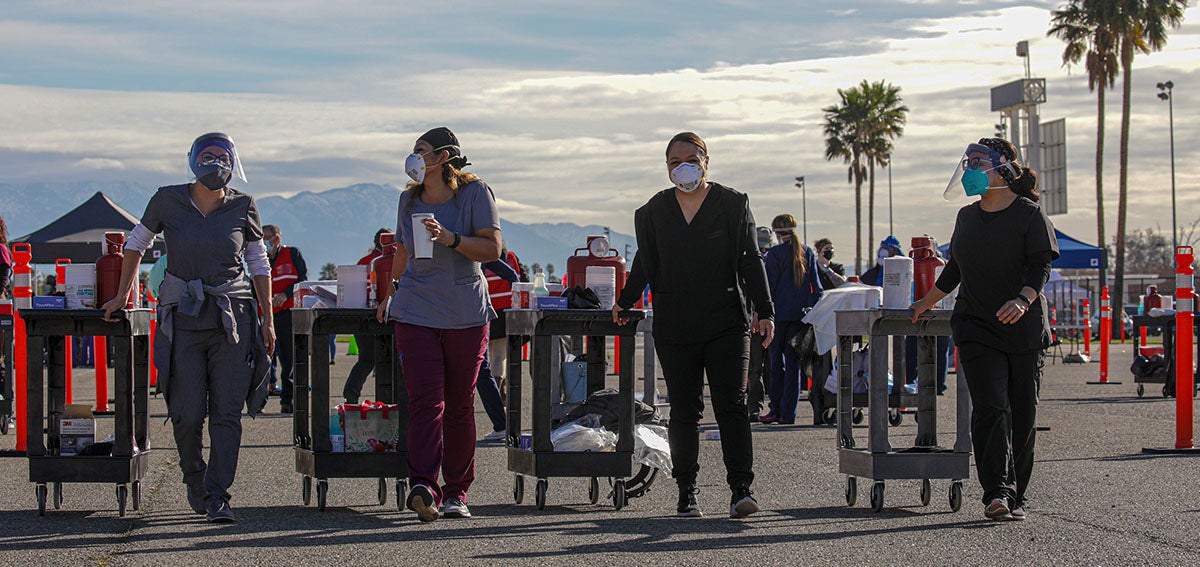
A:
<point x="366" y="351"/>
<point x="287" y="270"/>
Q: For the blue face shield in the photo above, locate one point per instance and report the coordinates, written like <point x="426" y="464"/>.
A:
<point x="970" y="177"/>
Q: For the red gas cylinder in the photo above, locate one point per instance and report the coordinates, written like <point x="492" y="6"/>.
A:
<point x="925" y="264"/>
<point x="1152" y="300"/>
<point x="598" y="254"/>
<point x="381" y="266"/>
<point x="108" y="269"/>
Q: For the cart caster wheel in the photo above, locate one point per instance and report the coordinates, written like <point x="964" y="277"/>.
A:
<point x="895" y="417"/>
<point x="518" y="488"/>
<point x="4" y="425"/>
<point x="851" y="490"/>
<point x="122" y="497"/>
<point x="926" y="492"/>
<point x="41" y="499"/>
<point x="1141" y="390"/>
<point x="383" y="491"/>
<point x="1165" y="392"/>
<point x="57" y="495"/>
<point x="401" y="490"/>
<point x="955" y="495"/>
<point x="877" y="496"/>
<point x="594" y="490"/>
<point x="137" y="495"/>
<point x="322" y="493"/>
<point x="829" y="416"/>
<point x="306" y="490"/>
<point x="540" y="497"/>
<point x="856" y="416"/>
<point x="619" y="500"/>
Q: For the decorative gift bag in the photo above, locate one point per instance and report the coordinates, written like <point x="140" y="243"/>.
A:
<point x="370" y="427"/>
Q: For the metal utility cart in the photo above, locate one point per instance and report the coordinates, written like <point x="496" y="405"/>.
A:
<point x="541" y="461"/>
<point x="315" y="458"/>
<point x="7" y="378"/>
<point x="129" y="337"/>
<point x="879" y="461"/>
<point x="1167" y="324"/>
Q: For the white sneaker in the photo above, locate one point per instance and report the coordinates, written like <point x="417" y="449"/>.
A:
<point x="455" y="508"/>
<point x="495" y="435"/>
<point x="997" y="509"/>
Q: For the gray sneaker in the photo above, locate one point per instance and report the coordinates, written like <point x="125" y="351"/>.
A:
<point x="997" y="509"/>
<point x="219" y="511"/>
<point x="197" y="496"/>
<point x="1017" y="513"/>
<point x="420" y="500"/>
<point x="455" y="508"/>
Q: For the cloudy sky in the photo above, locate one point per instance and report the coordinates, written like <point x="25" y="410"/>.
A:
<point x="565" y="107"/>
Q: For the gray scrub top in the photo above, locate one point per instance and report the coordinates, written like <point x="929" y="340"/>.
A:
<point x="209" y="248"/>
<point x="447" y="291"/>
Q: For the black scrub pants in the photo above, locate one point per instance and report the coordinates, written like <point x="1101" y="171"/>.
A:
<point x="210" y="378"/>
<point x="362" y="368"/>
<point x="759" y="369"/>
<point x="724" y="359"/>
<point x="285" y="349"/>
<point x="1004" y="396"/>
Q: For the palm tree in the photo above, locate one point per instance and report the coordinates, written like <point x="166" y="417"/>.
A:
<point x="1084" y="26"/>
<point x="885" y="122"/>
<point x="1140" y="26"/>
<point x="844" y="139"/>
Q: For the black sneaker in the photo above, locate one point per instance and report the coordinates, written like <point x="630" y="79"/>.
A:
<point x="196" y="496"/>
<point x="742" y="502"/>
<point x="420" y="500"/>
<point x="1017" y="513"/>
<point x="219" y="511"/>
<point x="687" y="502"/>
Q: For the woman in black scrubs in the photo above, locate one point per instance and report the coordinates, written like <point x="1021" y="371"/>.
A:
<point x="1000" y="258"/>
<point x="697" y="250"/>
<point x="212" y="349"/>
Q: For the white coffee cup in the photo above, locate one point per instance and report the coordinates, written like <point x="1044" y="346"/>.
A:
<point x="422" y="245"/>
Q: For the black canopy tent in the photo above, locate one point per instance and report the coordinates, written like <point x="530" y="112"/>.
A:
<point x="79" y="234"/>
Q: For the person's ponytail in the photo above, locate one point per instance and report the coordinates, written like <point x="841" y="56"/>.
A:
<point x="1026" y="185"/>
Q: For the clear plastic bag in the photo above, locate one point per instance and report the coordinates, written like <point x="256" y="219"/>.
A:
<point x="583" y="434"/>
<point x="651" y="448"/>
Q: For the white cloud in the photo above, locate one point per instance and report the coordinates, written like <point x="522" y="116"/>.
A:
<point x="99" y="163"/>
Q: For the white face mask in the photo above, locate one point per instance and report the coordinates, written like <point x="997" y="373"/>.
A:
<point x="687" y="176"/>
<point x="883" y="254"/>
<point x="414" y="166"/>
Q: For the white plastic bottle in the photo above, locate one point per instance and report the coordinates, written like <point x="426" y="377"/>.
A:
<point x="539" y="288"/>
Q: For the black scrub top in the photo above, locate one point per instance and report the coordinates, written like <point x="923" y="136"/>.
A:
<point x="994" y="252"/>
<point x="208" y="248"/>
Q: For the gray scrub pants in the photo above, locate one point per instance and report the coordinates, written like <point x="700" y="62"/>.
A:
<point x="210" y="377"/>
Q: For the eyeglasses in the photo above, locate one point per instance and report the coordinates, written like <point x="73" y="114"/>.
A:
<point x="976" y="163"/>
<point x="209" y="157"/>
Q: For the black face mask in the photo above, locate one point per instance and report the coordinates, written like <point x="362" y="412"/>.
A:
<point x="213" y="177"/>
<point x="828" y="254"/>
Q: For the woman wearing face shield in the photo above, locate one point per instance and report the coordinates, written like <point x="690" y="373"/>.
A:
<point x="1000" y="257"/>
<point x="697" y="250"/>
<point x="211" y="348"/>
<point x="440" y="309"/>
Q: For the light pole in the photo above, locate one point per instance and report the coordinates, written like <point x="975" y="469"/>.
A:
<point x="803" y="206"/>
<point x="1165" y="92"/>
<point x="889" y="164"/>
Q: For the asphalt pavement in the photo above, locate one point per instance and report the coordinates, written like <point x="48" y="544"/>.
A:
<point x="1095" y="499"/>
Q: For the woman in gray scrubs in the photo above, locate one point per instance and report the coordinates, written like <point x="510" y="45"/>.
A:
<point x="211" y="344"/>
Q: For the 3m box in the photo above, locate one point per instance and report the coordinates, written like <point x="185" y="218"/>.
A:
<point x="49" y="302"/>
<point x="76" y="429"/>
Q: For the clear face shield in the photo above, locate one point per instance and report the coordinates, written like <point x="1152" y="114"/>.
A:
<point x="215" y="152"/>
<point x="970" y="176"/>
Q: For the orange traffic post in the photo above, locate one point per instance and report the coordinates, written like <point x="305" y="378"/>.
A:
<point x="1105" y="335"/>
<point x="101" y="360"/>
<point x="22" y="254"/>
<point x="60" y="272"/>
<point x="1087" y="328"/>
<point x="1185" y="285"/>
